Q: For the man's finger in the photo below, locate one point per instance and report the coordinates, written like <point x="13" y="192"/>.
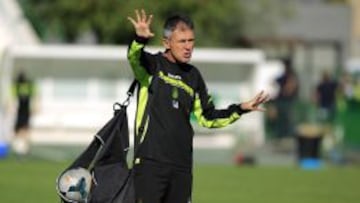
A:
<point x="131" y="20"/>
<point x="264" y="98"/>
<point x="149" y="20"/>
<point x="258" y="97"/>
<point x="143" y="15"/>
<point x="137" y="15"/>
<point x="268" y="98"/>
<point x="260" y="109"/>
<point x="151" y="34"/>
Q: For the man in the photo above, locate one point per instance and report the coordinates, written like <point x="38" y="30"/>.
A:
<point x="170" y="90"/>
<point x="285" y="100"/>
<point x="24" y="91"/>
<point x="325" y="98"/>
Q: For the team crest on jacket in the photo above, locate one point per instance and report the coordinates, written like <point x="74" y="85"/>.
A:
<point x="175" y="97"/>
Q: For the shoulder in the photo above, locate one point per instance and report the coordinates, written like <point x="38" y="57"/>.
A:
<point x="193" y="69"/>
<point x="197" y="79"/>
<point x="193" y="72"/>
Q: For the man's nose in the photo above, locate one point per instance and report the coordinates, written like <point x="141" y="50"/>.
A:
<point x="188" y="45"/>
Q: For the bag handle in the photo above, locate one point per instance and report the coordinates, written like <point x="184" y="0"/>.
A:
<point x="117" y="106"/>
<point x="132" y="87"/>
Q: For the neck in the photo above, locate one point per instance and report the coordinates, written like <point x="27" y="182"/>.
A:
<point x="167" y="54"/>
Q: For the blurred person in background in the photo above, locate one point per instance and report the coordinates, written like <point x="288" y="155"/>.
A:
<point x="170" y="90"/>
<point x="332" y="100"/>
<point x="23" y="90"/>
<point x="325" y="98"/>
<point x="284" y="103"/>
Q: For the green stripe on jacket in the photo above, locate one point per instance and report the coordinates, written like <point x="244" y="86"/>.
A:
<point x="212" y="123"/>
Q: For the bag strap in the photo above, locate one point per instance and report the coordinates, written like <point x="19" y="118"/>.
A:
<point x="118" y="106"/>
<point x="129" y="93"/>
<point x="132" y="87"/>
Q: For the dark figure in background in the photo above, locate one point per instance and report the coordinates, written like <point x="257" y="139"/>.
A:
<point x="325" y="98"/>
<point x="285" y="100"/>
<point x="23" y="91"/>
<point x="326" y="93"/>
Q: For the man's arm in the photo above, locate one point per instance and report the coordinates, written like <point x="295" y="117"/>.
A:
<point x="136" y="55"/>
<point x="139" y="62"/>
<point x="207" y="116"/>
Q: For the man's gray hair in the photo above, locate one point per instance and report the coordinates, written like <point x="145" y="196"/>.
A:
<point x="173" y="21"/>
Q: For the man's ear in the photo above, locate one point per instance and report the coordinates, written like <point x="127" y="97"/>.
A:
<point x="166" y="43"/>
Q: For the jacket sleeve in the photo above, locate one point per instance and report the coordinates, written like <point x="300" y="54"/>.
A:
<point x="140" y="61"/>
<point x="143" y="67"/>
<point x="206" y="114"/>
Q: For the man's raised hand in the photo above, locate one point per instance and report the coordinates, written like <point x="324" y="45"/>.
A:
<point x="142" y="24"/>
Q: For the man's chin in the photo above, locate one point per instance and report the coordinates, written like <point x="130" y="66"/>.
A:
<point x="185" y="60"/>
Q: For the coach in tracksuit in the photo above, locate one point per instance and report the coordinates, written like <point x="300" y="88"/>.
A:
<point x="170" y="90"/>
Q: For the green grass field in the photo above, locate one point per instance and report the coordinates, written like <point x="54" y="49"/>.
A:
<point x="33" y="181"/>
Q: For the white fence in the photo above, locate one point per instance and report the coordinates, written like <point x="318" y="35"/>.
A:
<point x="77" y="85"/>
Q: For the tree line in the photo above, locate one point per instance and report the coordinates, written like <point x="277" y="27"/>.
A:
<point x="217" y="22"/>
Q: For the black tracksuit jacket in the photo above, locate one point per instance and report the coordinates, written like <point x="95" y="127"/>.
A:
<point x="169" y="93"/>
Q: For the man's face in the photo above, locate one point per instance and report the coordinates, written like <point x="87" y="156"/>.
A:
<point x="180" y="44"/>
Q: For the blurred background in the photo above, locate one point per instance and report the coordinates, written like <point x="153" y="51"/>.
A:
<point x="63" y="65"/>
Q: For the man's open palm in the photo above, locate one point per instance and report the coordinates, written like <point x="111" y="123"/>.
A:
<point x="254" y="104"/>
<point x="142" y="24"/>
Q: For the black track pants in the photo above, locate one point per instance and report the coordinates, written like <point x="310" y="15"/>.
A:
<point x="162" y="183"/>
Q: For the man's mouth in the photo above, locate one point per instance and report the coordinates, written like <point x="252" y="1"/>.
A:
<point x="187" y="55"/>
